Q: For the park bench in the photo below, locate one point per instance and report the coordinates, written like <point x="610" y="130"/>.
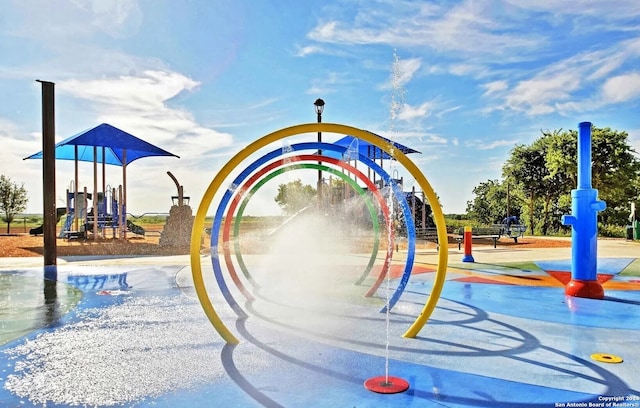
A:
<point x="514" y="231"/>
<point x="492" y="233"/>
<point x="427" y="234"/>
<point x="69" y="235"/>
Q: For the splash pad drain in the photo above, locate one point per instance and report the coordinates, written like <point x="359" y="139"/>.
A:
<point x="386" y="385"/>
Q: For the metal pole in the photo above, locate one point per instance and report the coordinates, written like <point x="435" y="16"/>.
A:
<point x="124" y="194"/>
<point x="508" y="199"/>
<point x="76" y="214"/>
<point x="95" y="193"/>
<point x="319" y="107"/>
<point x="49" y="180"/>
<point x="320" y="163"/>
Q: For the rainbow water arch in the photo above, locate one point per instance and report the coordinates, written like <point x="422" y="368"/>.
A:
<point x="217" y="181"/>
<point x="298" y="163"/>
<point x="219" y="215"/>
<point x="242" y="189"/>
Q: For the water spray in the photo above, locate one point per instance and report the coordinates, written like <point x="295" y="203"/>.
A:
<point x="387" y="384"/>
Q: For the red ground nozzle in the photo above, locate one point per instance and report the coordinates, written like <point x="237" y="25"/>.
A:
<point x="386" y="385"/>
<point x="591" y="289"/>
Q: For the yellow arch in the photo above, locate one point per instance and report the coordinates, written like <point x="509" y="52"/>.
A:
<point x="199" y="220"/>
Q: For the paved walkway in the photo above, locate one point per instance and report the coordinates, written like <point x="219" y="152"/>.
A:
<point x="501" y="335"/>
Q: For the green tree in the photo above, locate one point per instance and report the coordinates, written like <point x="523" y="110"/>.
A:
<point x="489" y="204"/>
<point x="615" y="170"/>
<point x="528" y="168"/>
<point x="13" y="200"/>
<point x="545" y="172"/>
<point x="294" y="196"/>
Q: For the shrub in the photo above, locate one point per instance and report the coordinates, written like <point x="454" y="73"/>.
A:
<point x="611" y="231"/>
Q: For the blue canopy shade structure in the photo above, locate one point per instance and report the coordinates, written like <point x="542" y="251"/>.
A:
<point x="120" y="147"/>
<point x="371" y="151"/>
<point x="357" y="146"/>
<point x="104" y="144"/>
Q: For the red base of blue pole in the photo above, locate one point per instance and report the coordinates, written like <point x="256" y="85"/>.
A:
<point x="591" y="289"/>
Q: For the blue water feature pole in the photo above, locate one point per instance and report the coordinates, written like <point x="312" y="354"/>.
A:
<point x="584" y="222"/>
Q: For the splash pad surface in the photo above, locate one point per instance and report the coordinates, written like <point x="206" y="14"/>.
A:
<point x="139" y="338"/>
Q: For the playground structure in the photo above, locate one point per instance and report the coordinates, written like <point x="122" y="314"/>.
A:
<point x="86" y="217"/>
<point x="96" y="214"/>
<point x="177" y="229"/>
<point x="337" y="200"/>
<point x="60" y="212"/>
<point x="103" y="144"/>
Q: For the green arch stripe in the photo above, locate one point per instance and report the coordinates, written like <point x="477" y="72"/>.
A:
<point x="258" y="185"/>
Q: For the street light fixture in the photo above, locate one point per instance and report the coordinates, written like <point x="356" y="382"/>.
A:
<point x="319" y="106"/>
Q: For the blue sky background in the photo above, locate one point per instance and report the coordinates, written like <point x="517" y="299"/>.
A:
<point x="204" y="78"/>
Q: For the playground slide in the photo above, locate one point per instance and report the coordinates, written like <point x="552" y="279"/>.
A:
<point x="60" y="211"/>
<point x="67" y="226"/>
<point x="136" y="229"/>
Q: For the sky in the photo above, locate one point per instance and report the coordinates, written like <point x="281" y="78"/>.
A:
<point x="469" y="80"/>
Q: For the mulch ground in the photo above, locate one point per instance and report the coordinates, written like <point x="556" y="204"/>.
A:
<point x="26" y="246"/>
<point x="19" y="244"/>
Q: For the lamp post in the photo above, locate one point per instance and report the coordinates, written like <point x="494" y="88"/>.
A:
<point x="319" y="106"/>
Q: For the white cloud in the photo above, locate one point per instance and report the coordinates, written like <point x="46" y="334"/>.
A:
<point x="447" y="111"/>
<point x="406" y="70"/>
<point x="495" y="144"/>
<point x="118" y="18"/>
<point x="463" y="69"/>
<point x="409" y="112"/>
<point x="7" y="129"/>
<point x="603" y="9"/>
<point x="55" y="22"/>
<point x="536" y="96"/>
<point x="607" y="66"/>
<point x="468" y="28"/>
<point x="136" y="94"/>
<point x="437" y="139"/>
<point x="328" y="84"/>
<point x="490" y="145"/>
<point x="403" y="70"/>
<point x="416" y="139"/>
<point x="632" y="47"/>
<point x="495" y="86"/>
<point x="578" y="83"/>
<point x="140" y="104"/>
<point x="308" y="50"/>
<point x="474" y="39"/>
<point x="634" y="140"/>
<point x="622" y="88"/>
<point x="17" y="145"/>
